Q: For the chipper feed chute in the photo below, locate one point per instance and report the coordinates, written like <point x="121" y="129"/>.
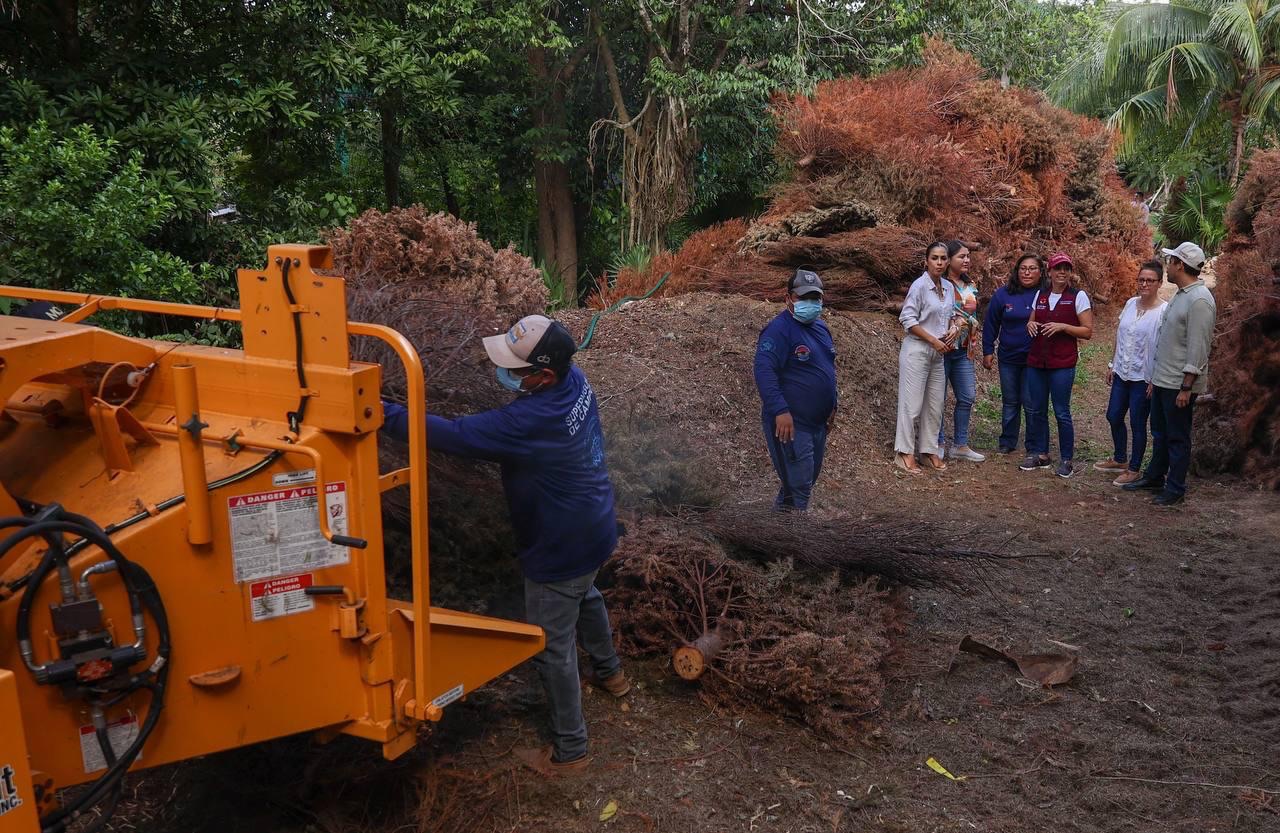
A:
<point x="191" y="544"/>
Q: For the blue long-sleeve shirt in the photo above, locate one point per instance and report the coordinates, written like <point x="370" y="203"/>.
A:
<point x="795" y="370"/>
<point x="551" y="450"/>
<point x="1006" y="322"/>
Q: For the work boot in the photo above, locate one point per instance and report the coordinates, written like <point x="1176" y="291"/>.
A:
<point x="544" y="761"/>
<point x="616" y="684"/>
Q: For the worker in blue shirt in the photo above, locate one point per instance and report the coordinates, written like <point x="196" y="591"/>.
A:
<point x="550" y="446"/>
<point x="795" y="370"/>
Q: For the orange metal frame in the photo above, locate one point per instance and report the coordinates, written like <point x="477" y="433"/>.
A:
<point x="413" y="659"/>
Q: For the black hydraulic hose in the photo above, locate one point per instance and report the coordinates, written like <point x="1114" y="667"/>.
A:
<point x="138" y="581"/>
<point x="169" y="503"/>
<point x="295" y="417"/>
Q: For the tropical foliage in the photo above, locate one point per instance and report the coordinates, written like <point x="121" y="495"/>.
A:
<point x="1182" y="66"/>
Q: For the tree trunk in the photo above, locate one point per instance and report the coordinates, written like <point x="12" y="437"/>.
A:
<point x="68" y="17"/>
<point x="690" y="661"/>
<point x="557" y="229"/>
<point x="450" y="198"/>
<point x="1237" y="154"/>
<point x="392" y="151"/>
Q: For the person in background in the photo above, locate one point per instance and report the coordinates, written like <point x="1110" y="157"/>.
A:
<point x="1061" y="317"/>
<point x="795" y="372"/>
<point x="1006" y="323"/>
<point x="1127" y="374"/>
<point x="958" y="363"/>
<point x="550" y="445"/>
<point x="926" y="316"/>
<point x="1179" y="374"/>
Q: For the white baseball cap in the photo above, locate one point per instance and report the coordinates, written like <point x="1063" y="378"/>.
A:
<point x="1188" y="253"/>
<point x="533" y="341"/>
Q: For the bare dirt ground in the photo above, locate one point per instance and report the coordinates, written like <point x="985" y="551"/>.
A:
<point x="1168" y="724"/>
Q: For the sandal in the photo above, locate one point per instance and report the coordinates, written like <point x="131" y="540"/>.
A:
<point x="935" y="462"/>
<point x="899" y="461"/>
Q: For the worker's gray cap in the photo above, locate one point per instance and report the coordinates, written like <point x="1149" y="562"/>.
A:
<point x="804" y="282"/>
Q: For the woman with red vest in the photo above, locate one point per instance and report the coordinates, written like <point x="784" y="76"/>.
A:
<point x="1061" y="317"/>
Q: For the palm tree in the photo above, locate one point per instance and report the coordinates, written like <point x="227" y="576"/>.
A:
<point x="1184" y="62"/>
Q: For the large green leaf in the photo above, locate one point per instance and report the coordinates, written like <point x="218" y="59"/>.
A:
<point x="1233" y="25"/>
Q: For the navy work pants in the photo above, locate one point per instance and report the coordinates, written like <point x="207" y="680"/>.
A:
<point x="797" y="463"/>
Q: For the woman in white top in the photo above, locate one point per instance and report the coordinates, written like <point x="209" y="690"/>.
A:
<point x="1128" y="371"/>
<point x="926" y="316"/>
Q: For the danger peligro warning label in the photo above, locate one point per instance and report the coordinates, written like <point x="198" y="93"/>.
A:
<point x="277" y="533"/>
<point x="280" y="597"/>
<point x="120" y="734"/>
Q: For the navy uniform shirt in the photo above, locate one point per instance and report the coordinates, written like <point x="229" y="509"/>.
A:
<point x="795" y="370"/>
<point x="551" y="450"/>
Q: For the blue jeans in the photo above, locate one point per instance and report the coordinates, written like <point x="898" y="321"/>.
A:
<point x="1014" y="399"/>
<point x="561" y="609"/>
<point x="1171" y="435"/>
<point x="958" y="372"/>
<point x="798" y="464"/>
<point x="1043" y="385"/>
<point x="1129" y="398"/>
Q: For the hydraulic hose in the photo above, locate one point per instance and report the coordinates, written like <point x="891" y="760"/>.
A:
<point x="155" y="678"/>
<point x="591" y="328"/>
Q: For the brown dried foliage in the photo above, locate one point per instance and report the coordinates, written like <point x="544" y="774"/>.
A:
<point x="936" y="152"/>
<point x="433" y="279"/>
<point x="1238" y="429"/>
<point x="808" y="646"/>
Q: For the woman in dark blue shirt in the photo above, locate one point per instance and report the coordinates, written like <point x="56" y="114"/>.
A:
<point x="1006" y="323"/>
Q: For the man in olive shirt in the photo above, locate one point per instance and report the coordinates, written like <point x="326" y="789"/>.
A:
<point x="1177" y="374"/>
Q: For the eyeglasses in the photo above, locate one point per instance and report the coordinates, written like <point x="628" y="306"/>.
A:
<point x="1028" y="269"/>
<point x="1148" y="280"/>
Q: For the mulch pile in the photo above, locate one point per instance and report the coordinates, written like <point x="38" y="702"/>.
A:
<point x="1238" y="428"/>
<point x="882" y="166"/>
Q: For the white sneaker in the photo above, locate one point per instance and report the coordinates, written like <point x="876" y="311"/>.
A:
<point x="969" y="454"/>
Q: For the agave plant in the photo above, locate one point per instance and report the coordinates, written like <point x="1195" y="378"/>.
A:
<point x="1183" y="62"/>
<point x="635" y="258"/>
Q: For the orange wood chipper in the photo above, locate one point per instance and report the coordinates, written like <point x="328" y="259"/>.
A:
<point x="191" y="545"/>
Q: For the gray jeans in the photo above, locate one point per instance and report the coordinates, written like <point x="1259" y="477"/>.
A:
<point x="563" y="608"/>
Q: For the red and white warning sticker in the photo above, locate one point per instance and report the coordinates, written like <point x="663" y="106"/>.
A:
<point x="280" y="597"/>
<point x="120" y="733"/>
<point x="277" y="533"/>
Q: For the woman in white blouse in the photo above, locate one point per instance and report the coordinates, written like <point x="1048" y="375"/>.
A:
<point x="1128" y="371"/>
<point x="926" y="316"/>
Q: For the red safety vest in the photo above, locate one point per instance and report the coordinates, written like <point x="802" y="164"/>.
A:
<point x="1054" y="352"/>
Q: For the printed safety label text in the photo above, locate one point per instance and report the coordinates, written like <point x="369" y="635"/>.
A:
<point x="277" y="533"/>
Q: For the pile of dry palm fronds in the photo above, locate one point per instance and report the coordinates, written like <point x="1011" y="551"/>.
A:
<point x="783" y="611"/>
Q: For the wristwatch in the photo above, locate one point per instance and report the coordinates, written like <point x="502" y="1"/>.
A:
<point x="1185" y="388"/>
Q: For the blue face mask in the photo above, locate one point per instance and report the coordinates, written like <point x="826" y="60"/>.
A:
<point x="807" y="311"/>
<point x="509" y="380"/>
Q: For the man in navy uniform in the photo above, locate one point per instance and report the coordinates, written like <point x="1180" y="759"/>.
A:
<point x="551" y="448"/>
<point x="795" y="371"/>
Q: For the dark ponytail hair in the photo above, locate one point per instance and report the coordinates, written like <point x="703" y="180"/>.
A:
<point x="937" y="244"/>
<point x="1015" y="285"/>
<point x="954" y="247"/>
